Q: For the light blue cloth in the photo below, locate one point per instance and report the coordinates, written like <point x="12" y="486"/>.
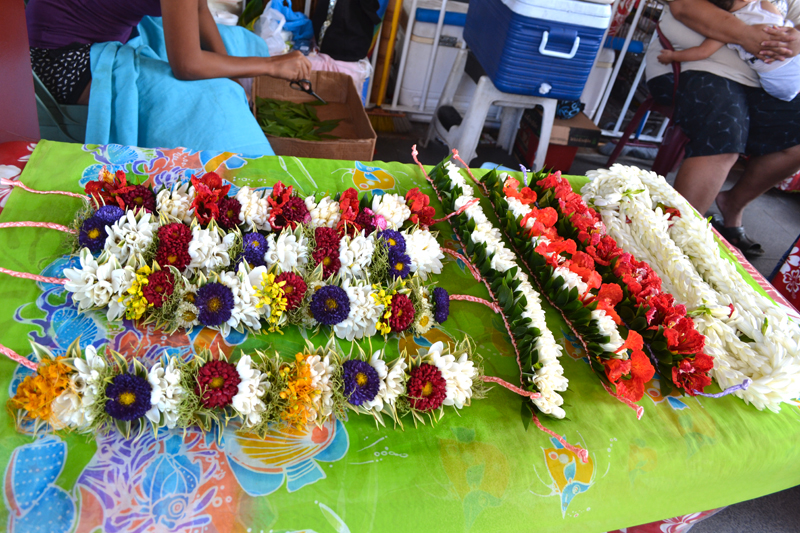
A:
<point x="136" y="100"/>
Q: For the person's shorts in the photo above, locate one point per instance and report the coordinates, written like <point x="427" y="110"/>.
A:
<point x="65" y="72"/>
<point x="721" y="116"/>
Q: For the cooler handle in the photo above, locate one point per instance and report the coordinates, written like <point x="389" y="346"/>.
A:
<point x="563" y="55"/>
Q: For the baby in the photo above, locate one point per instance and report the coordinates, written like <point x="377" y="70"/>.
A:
<point x="780" y="79"/>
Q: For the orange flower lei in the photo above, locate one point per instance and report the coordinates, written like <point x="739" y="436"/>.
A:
<point x="299" y="392"/>
<point x="37" y="393"/>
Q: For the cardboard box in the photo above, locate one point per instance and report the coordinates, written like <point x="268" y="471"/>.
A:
<point x="355" y="136"/>
<point x="567" y="136"/>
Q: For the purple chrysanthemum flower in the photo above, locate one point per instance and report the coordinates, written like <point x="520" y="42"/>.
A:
<point x="93" y="234"/>
<point x="128" y="397"/>
<point x="330" y="305"/>
<point x="361" y="381"/>
<point x="399" y="264"/>
<point x="394" y="240"/>
<point x="215" y="302"/>
<point x="254" y="247"/>
<point x="109" y="214"/>
<point x="441" y="305"/>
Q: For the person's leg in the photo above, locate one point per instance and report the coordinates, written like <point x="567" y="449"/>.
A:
<point x="700" y="178"/>
<point x="762" y="173"/>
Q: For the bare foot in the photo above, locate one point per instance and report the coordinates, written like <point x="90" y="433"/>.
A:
<point x="732" y="217"/>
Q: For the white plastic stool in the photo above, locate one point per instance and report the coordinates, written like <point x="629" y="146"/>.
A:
<point x="465" y="137"/>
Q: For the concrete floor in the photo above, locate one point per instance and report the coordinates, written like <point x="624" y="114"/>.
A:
<point x="773" y="220"/>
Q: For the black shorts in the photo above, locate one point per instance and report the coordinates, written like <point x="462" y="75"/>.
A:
<point x="721" y="116"/>
<point x="64" y="71"/>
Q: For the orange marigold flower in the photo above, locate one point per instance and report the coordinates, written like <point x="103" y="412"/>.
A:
<point x="37" y="393"/>
<point x="299" y="393"/>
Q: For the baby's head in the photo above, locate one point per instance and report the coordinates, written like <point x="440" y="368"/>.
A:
<point x="729" y="5"/>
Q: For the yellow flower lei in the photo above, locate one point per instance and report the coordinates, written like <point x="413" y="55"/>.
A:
<point x="37" y="393"/>
<point x="271" y="294"/>
<point x="384" y="299"/>
<point x="136" y="304"/>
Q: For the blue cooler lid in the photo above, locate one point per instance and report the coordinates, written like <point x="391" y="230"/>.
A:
<point x="576" y="12"/>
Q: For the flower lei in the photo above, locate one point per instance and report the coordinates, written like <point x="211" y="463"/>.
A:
<point x="88" y="391"/>
<point x="519" y="303"/>
<point x="640" y="223"/>
<point x="634" y="296"/>
<point x="192" y="255"/>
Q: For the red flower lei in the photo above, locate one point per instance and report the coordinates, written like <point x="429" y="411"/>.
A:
<point x="294" y="290"/>
<point x="426" y="388"/>
<point x="160" y="286"/>
<point x="106" y="189"/>
<point x="217" y="384"/>
<point x="208" y="191"/>
<point x="173" y="246"/>
<point x="402" y="313"/>
<point x="421" y="212"/>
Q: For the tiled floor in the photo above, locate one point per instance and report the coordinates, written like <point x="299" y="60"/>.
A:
<point x="772" y="220"/>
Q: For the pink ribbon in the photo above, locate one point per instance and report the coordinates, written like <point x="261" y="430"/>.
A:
<point x="638" y="408"/>
<point x="472" y="269"/>
<point x="13" y="183"/>
<point x="466" y="167"/>
<point x="48" y="225"/>
<point x="577" y="450"/>
<point x="467" y="298"/>
<point x="34" y="277"/>
<point x="460" y="210"/>
<point x="14" y="356"/>
<point x="512" y="388"/>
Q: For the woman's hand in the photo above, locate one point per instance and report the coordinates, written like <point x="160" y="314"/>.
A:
<point x="292" y="66"/>
<point x="666" y="57"/>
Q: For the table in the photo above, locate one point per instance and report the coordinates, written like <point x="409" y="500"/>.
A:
<point x="481" y="471"/>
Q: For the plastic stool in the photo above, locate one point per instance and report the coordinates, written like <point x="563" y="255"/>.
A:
<point x="464" y="133"/>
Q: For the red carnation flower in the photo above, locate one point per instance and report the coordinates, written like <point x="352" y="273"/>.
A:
<point x="692" y="374"/>
<point x="208" y="191"/>
<point x="329" y="259"/>
<point x="422" y="212"/>
<point x="217" y="384"/>
<point x="229" y="209"/>
<point x="426" y="388"/>
<point x="173" y="246"/>
<point x="683" y="338"/>
<point x="105" y="190"/>
<point x="138" y="197"/>
<point x="160" y="286"/>
<point x="294" y="289"/>
<point x="402" y="313"/>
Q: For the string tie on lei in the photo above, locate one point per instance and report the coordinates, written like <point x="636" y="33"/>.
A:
<point x="47" y="225"/>
<point x="467" y="298"/>
<point x="512" y="388"/>
<point x="466" y="167"/>
<point x="472" y="269"/>
<point x="456" y="213"/>
<point x="638" y="408"/>
<point x="14" y="183"/>
<point x="17" y="358"/>
<point x="730" y="390"/>
<point x="577" y="450"/>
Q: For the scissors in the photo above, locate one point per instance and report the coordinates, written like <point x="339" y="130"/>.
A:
<point x="305" y="86"/>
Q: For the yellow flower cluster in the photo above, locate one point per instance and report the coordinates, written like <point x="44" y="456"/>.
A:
<point x="271" y="294"/>
<point x="299" y="392"/>
<point x="384" y="299"/>
<point x="136" y="304"/>
<point x="37" y="393"/>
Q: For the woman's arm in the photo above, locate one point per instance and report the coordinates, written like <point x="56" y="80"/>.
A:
<point x="707" y="19"/>
<point x="210" y="38"/>
<point x="705" y="50"/>
<point x="183" y="31"/>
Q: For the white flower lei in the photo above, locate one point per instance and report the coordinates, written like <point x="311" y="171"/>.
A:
<point x="176" y="202"/>
<point x="323" y="214"/>
<point x="364" y="312"/>
<point x="391" y="207"/>
<point x="255" y="209"/>
<point x="549" y="379"/>
<point x="130" y="235"/>
<point x="244" y="310"/>
<point x="458" y="374"/>
<point x="633" y="218"/>
<point x="167" y="392"/>
<point x="209" y="250"/>
<point x="289" y="250"/>
<point x="321" y="371"/>
<point x="252" y="387"/>
<point x="355" y="255"/>
<point x="425" y="253"/>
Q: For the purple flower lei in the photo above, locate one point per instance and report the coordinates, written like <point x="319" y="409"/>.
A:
<point x="361" y="381"/>
<point x="441" y="305"/>
<point x="399" y="264"/>
<point x="255" y="246"/>
<point x="393" y="240"/>
<point x="128" y="397"/>
<point x="330" y="305"/>
<point x="215" y="303"/>
<point x="93" y="234"/>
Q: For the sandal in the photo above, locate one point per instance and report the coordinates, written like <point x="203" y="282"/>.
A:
<point x="737" y="237"/>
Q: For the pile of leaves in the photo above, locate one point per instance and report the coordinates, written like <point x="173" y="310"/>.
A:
<point x="280" y="118"/>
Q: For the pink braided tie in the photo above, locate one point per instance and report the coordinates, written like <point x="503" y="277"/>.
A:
<point x="638" y="408"/>
<point x="466" y="167"/>
<point x="472" y="269"/>
<point x="48" y="225"/>
<point x="467" y="298"/>
<point x="512" y="388"/>
<point x="13" y="183"/>
<point x="14" y="356"/>
<point x="34" y="277"/>
<point x="577" y="450"/>
<point x="460" y="210"/>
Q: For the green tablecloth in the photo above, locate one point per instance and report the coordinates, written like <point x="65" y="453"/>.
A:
<point x="481" y="471"/>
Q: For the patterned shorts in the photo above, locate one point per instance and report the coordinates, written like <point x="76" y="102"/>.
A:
<point x="64" y="71"/>
<point x="721" y="116"/>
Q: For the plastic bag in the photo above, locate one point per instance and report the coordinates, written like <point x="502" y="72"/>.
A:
<point x="296" y="22"/>
<point x="269" y="26"/>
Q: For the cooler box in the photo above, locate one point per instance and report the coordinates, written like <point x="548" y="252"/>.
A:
<point x="537" y="47"/>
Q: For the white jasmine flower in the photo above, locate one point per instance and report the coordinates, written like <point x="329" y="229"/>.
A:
<point x="321" y="372"/>
<point x="325" y="213"/>
<point x="458" y="374"/>
<point x="255" y="209"/>
<point x="68" y="409"/>
<point x="176" y="202"/>
<point x="425" y="253"/>
<point x="289" y="251"/>
<point x="364" y="312"/>
<point x="244" y="312"/>
<point x="129" y="237"/>
<point x="395" y="382"/>
<point x="121" y="281"/>
<point x="208" y="250"/>
<point x="166" y="394"/>
<point x="89" y="377"/>
<point x="252" y="387"/>
<point x="355" y="255"/>
<point x="393" y="208"/>
<point x="80" y="281"/>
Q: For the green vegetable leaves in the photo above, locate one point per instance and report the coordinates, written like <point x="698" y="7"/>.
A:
<point x="280" y="118"/>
